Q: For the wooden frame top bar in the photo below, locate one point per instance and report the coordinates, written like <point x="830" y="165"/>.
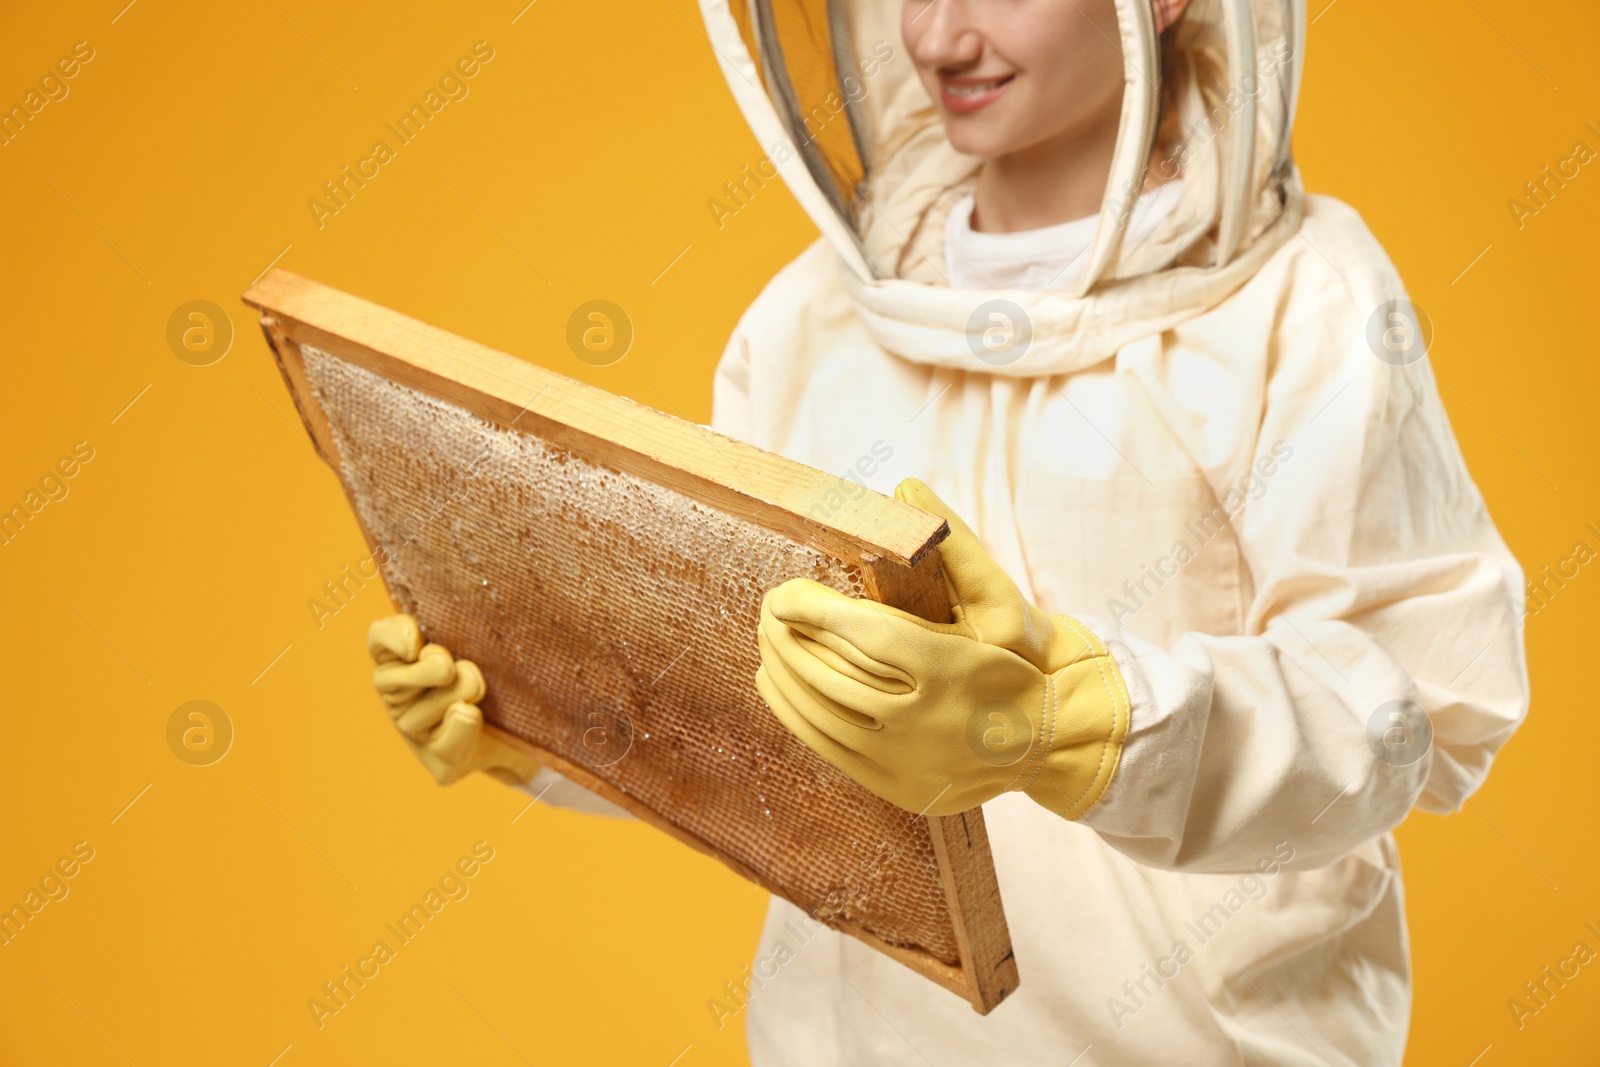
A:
<point x="606" y="428"/>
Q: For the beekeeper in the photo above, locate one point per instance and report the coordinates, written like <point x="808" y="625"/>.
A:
<point x="1228" y="604"/>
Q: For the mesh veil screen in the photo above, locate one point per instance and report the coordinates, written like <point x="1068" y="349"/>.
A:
<point x="615" y="620"/>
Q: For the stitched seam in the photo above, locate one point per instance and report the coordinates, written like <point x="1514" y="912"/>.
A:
<point x="1016" y="782"/>
<point x="1073" y="804"/>
<point x="1047" y="732"/>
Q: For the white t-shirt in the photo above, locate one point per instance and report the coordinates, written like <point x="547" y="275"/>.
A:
<point x="1050" y="258"/>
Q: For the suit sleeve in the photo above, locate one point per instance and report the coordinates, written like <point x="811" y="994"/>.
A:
<point x="1381" y="666"/>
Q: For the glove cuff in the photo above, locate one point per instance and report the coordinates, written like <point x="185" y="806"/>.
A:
<point x="1084" y="720"/>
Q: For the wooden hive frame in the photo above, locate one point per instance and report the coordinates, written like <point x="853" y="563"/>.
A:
<point x="892" y="543"/>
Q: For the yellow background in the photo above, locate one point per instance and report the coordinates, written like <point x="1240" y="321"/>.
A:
<point x="579" y="167"/>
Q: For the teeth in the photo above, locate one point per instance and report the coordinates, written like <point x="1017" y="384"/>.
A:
<point x="973" y="90"/>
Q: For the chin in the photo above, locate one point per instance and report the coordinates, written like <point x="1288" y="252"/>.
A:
<point x="972" y="139"/>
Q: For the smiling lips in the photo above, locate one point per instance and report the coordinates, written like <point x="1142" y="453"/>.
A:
<point x="965" y="93"/>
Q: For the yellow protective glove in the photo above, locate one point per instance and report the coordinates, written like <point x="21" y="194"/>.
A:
<point x="432" y="699"/>
<point x="940" y="717"/>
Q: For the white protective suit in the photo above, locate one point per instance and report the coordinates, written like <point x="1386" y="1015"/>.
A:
<point x="1213" y="453"/>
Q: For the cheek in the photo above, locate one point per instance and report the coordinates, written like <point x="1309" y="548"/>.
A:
<point x="1064" y="95"/>
<point x="1072" y="51"/>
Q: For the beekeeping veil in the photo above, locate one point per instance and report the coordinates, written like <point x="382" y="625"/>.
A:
<point x="830" y="91"/>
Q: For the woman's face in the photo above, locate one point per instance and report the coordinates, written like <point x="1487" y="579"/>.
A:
<point x="1008" y="75"/>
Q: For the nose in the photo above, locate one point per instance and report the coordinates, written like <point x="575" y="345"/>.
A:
<point x="944" y="35"/>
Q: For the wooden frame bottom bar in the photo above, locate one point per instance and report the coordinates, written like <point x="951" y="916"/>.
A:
<point x="989" y="968"/>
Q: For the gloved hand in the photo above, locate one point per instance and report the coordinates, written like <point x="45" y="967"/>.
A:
<point x="432" y="699"/>
<point x="940" y="717"/>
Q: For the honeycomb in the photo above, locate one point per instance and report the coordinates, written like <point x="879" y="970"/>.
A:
<point x="615" y="620"/>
